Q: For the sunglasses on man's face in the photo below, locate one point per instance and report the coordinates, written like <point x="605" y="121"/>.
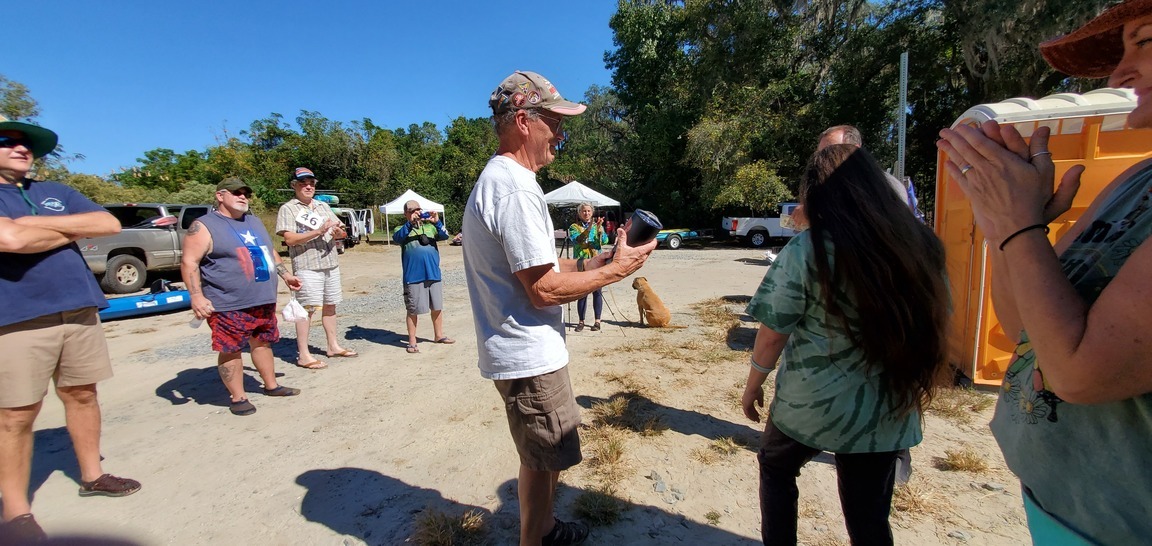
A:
<point x="241" y="193"/>
<point x="12" y="142"/>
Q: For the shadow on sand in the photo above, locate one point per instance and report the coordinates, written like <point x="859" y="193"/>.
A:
<point x="381" y="510"/>
<point x="203" y="386"/>
<point x="378" y="336"/>
<point x="682" y="421"/>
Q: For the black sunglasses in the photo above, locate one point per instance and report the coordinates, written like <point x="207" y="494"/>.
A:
<point x="12" y="142"/>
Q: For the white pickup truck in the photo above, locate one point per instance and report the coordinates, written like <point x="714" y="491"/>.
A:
<point x="758" y="232"/>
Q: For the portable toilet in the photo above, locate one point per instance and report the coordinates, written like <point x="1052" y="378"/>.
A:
<point x="1090" y="130"/>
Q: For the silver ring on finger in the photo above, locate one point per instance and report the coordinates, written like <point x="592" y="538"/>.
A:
<point x="964" y="170"/>
<point x="1038" y="154"/>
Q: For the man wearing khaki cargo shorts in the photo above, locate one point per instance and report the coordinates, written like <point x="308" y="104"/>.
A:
<point x="517" y="283"/>
<point x="49" y="328"/>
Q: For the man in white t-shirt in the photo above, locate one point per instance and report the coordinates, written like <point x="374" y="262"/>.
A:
<point x="517" y="283"/>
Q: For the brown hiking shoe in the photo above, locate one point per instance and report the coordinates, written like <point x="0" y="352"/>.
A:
<point x="109" y="486"/>
<point x="21" y="530"/>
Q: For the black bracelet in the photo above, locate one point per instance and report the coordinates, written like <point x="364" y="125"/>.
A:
<point x="1022" y="230"/>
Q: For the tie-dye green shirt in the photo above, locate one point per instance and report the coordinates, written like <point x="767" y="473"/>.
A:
<point x="826" y="395"/>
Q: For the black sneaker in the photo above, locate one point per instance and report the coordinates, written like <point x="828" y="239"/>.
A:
<point x="21" y="530"/>
<point x="565" y="533"/>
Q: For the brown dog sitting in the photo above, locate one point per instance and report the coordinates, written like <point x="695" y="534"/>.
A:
<point x="651" y="308"/>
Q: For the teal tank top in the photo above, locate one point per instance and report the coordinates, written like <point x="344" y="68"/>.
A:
<point x="1088" y="466"/>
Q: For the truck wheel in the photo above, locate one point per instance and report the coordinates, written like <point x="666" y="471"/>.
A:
<point x="125" y="274"/>
<point x="758" y="238"/>
<point x="673" y="242"/>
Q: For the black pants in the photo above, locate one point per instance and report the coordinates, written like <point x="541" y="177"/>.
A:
<point x="864" y="479"/>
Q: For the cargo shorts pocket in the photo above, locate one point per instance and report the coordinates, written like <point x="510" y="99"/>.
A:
<point x="543" y="415"/>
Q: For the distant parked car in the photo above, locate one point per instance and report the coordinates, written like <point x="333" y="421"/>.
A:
<point x="672" y="239"/>
<point x="758" y="232"/>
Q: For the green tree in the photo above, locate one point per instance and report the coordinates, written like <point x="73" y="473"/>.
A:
<point x="16" y="103"/>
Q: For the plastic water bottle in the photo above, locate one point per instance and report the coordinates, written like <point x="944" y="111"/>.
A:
<point x="195" y="322"/>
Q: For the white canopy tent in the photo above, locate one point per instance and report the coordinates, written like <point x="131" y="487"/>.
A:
<point x="396" y="206"/>
<point x="574" y="193"/>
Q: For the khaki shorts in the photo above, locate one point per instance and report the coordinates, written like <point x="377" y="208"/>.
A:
<point x="68" y="347"/>
<point x="543" y="417"/>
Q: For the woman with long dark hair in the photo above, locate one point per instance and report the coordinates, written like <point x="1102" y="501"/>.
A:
<point x="857" y="304"/>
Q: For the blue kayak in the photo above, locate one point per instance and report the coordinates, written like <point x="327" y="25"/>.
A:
<point x="146" y="304"/>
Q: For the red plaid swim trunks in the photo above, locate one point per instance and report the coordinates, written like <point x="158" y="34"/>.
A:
<point x="231" y="329"/>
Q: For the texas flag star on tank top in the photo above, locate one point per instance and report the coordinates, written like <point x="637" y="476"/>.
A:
<point x="247" y="265"/>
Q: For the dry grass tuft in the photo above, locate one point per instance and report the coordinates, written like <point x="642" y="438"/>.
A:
<point x="706" y="455"/>
<point x="811" y="510"/>
<point x="965" y="460"/>
<point x="599" y="507"/>
<point x="629" y="411"/>
<point x="713" y="517"/>
<point x="720" y="449"/>
<point x="606" y="446"/>
<point x="917" y="498"/>
<point x="960" y="405"/>
<point x="716" y="313"/>
<point x="824" y="539"/>
<point x="614" y="352"/>
<point x="728" y="445"/>
<point x="626" y="380"/>
<point x="435" y="528"/>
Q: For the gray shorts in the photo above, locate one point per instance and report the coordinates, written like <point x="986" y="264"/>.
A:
<point x="544" y="420"/>
<point x="422" y="297"/>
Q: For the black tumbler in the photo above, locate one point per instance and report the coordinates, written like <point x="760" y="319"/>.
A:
<point x="644" y="227"/>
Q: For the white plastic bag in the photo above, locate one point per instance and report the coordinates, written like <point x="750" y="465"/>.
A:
<point x="294" y="312"/>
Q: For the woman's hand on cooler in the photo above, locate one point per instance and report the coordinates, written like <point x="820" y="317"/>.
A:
<point x="1008" y="180"/>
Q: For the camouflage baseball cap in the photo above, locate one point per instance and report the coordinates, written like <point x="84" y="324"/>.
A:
<point x="524" y="89"/>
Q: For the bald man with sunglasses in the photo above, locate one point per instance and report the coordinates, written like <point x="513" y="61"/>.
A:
<point x="49" y="327"/>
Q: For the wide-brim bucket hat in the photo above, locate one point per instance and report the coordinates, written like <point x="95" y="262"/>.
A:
<point x="1094" y="50"/>
<point x="41" y="141"/>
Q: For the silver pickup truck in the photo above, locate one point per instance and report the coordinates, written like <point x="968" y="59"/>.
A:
<point x="149" y="241"/>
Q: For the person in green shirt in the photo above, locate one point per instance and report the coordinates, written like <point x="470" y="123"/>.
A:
<point x="588" y="237"/>
<point x="857" y="304"/>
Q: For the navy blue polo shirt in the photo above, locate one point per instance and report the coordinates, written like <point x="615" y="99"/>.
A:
<point x="34" y="285"/>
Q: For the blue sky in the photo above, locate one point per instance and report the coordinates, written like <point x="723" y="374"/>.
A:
<point x="118" y="78"/>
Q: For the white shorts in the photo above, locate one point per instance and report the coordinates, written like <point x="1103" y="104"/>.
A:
<point x="319" y="287"/>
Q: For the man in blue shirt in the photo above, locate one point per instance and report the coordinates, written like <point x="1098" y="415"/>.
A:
<point x="49" y="327"/>
<point x="421" y="260"/>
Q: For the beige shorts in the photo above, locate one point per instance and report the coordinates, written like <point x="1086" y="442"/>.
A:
<point x="68" y="347"/>
<point x="544" y="420"/>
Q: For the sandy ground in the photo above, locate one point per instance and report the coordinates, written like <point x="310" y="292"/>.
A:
<point x="374" y="442"/>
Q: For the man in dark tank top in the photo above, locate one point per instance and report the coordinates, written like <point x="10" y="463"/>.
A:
<point x="230" y="270"/>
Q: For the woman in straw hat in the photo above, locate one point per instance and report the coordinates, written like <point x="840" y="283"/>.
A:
<point x="1074" y="417"/>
